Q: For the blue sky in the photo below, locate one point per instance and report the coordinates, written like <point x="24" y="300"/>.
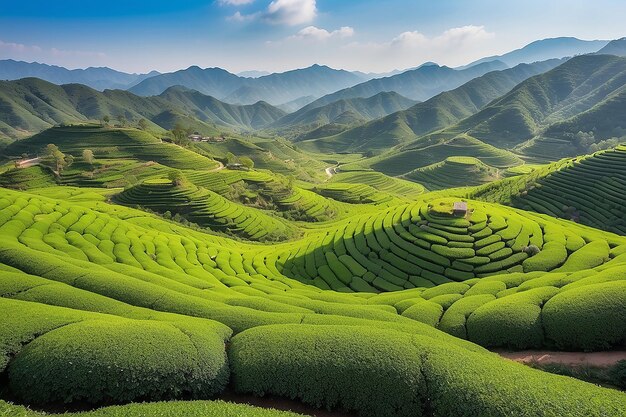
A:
<point x="277" y="35"/>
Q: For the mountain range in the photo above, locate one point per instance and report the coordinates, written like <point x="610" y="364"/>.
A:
<point x="276" y="89"/>
<point x="545" y="49"/>
<point x="98" y="78"/>
<point x="436" y="113"/>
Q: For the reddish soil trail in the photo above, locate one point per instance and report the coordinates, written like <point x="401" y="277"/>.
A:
<point x="600" y="359"/>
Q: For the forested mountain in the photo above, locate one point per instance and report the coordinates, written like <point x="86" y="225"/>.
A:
<point x="440" y="111"/>
<point x="364" y="109"/>
<point x="30" y="105"/>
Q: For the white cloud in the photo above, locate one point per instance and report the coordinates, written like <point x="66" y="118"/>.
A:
<point x="411" y="39"/>
<point x="315" y="33"/>
<point x="234" y="2"/>
<point x="342" y="48"/>
<point x="18" y="47"/>
<point x="238" y="17"/>
<point x="450" y="38"/>
<point x="291" y="12"/>
<point x="281" y="12"/>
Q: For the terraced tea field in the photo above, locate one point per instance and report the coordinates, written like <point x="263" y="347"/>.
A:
<point x="588" y="190"/>
<point x="97" y="271"/>
<point x="215" y="283"/>
<point x="205" y="208"/>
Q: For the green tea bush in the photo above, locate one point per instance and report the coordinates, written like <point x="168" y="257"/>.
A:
<point x="117" y="361"/>
<point x="551" y="256"/>
<point x="589" y="256"/>
<point x="513" y="321"/>
<point x="591" y="317"/>
<point x="371" y="371"/>
<point x="382" y="372"/>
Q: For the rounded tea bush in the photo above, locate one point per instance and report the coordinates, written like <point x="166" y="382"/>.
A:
<point x="118" y="361"/>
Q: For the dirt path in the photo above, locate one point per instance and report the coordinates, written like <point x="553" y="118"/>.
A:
<point x="600" y="359"/>
<point x="330" y="171"/>
<point x="219" y="167"/>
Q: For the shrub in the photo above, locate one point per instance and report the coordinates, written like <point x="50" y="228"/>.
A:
<point x="589" y="256"/>
<point x="424" y="311"/>
<point x="117" y="361"/>
<point x="371" y="371"/>
<point x="513" y="321"/>
<point x="552" y="256"/>
<point x="589" y="317"/>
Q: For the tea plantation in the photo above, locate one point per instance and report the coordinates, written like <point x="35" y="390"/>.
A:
<point x="100" y="294"/>
<point x="162" y="285"/>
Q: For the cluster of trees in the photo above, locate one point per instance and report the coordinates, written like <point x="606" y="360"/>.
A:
<point x="243" y="160"/>
<point x="123" y="121"/>
<point x="58" y="160"/>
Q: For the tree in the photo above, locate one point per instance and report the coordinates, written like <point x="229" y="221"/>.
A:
<point x="246" y="162"/>
<point x="106" y="119"/>
<point x="69" y="160"/>
<point x="231" y="158"/>
<point x="143" y="124"/>
<point x="179" y="133"/>
<point x="88" y="157"/>
<point x="177" y="178"/>
<point x="55" y="156"/>
<point x="122" y="119"/>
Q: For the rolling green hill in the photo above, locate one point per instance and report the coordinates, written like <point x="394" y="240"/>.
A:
<point x="88" y="286"/>
<point x="574" y="87"/>
<point x="539" y="120"/>
<point x="111" y="143"/>
<point x="31" y="105"/>
<point x="452" y="172"/>
<point x="436" y="113"/>
<point x="363" y="109"/>
<point x="205" y="208"/>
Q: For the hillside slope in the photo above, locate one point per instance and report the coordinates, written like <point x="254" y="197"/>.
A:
<point x="369" y="108"/>
<point x="588" y="190"/>
<point x="544" y="49"/>
<point x="419" y="84"/>
<point x="440" y="111"/>
<point x="30" y="105"/>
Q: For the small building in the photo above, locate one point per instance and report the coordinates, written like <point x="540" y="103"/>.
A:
<point x="459" y="209"/>
<point x="237" y="166"/>
<point x="195" y="137"/>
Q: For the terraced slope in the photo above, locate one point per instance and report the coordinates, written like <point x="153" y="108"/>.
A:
<point x="588" y="190"/>
<point x="422" y="244"/>
<point x="454" y="171"/>
<point x="111" y="143"/>
<point x="394" y="186"/>
<point x="206" y="209"/>
<point x="85" y="284"/>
